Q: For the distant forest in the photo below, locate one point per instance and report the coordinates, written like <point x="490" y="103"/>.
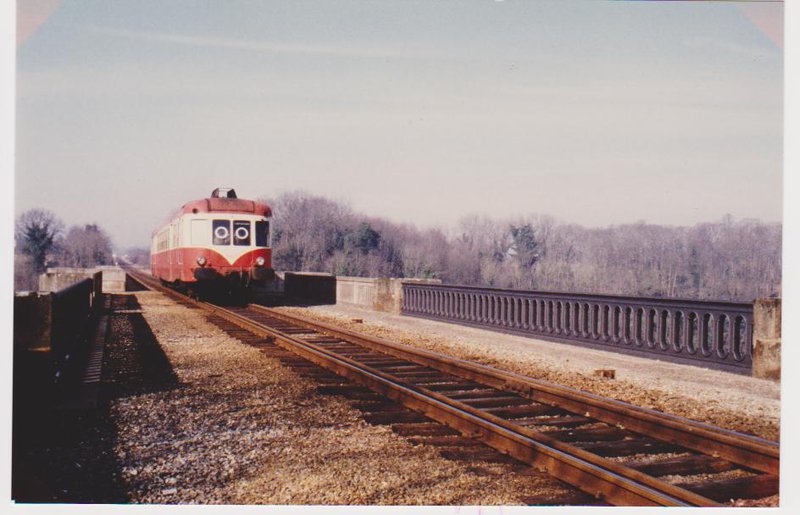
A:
<point x="725" y="260"/>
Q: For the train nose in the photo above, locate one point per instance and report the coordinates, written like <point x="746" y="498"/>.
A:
<point x="205" y="274"/>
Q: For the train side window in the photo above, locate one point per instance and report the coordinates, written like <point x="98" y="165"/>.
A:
<point x="262" y="233"/>
<point x="199" y="232"/>
<point x="162" y="240"/>
<point x="221" y="232"/>
<point x="241" y="232"/>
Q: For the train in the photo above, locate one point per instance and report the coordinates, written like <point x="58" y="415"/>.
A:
<point x="219" y="246"/>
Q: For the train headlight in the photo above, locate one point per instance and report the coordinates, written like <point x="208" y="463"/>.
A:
<point x="260" y="261"/>
<point x="201" y="261"/>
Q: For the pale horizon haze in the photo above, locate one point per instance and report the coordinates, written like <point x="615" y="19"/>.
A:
<point x="596" y="113"/>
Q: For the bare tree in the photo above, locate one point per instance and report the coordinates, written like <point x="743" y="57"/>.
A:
<point x="85" y="247"/>
<point x="308" y="230"/>
<point x="424" y="253"/>
<point x="35" y="234"/>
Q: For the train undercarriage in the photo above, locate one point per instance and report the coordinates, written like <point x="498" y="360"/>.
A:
<point x="232" y="289"/>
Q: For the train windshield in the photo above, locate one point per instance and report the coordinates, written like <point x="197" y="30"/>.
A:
<point x="262" y="233"/>
<point x="221" y="232"/>
<point x="241" y="232"/>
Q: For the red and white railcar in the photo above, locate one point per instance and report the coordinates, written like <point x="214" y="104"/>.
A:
<point x="221" y="241"/>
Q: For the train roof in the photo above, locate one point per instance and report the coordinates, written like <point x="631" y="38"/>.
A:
<point x="222" y="200"/>
<point x="225" y="200"/>
<point x="226" y="205"/>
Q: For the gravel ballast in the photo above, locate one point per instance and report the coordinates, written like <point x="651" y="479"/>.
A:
<point x="239" y="427"/>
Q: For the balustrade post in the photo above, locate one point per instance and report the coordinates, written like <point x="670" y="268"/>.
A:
<point x="767" y="339"/>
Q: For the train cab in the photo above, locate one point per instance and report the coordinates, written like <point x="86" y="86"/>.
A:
<point x="219" y="239"/>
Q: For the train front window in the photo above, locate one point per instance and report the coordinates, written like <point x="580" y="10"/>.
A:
<point x="262" y="233"/>
<point x="241" y="232"/>
<point x="221" y="232"/>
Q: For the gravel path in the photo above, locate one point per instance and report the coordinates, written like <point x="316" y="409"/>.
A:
<point x="728" y="400"/>
<point x="241" y="428"/>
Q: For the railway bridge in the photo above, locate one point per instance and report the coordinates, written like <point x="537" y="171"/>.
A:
<point x="515" y="412"/>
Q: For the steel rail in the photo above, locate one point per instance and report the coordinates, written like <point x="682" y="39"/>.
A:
<point x="591" y="473"/>
<point x="744" y="450"/>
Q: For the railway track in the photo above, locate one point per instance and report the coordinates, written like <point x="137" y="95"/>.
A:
<point x="616" y="452"/>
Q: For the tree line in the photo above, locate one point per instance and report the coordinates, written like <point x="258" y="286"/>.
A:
<point x="41" y="241"/>
<point x="724" y="260"/>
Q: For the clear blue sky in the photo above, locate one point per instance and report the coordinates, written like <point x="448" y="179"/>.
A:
<point x="593" y="112"/>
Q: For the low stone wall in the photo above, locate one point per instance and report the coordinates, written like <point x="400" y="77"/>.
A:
<point x="41" y="318"/>
<point x="309" y="288"/>
<point x="58" y="278"/>
<point x="33" y="314"/>
<point x="767" y="339"/>
<point x="377" y="294"/>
